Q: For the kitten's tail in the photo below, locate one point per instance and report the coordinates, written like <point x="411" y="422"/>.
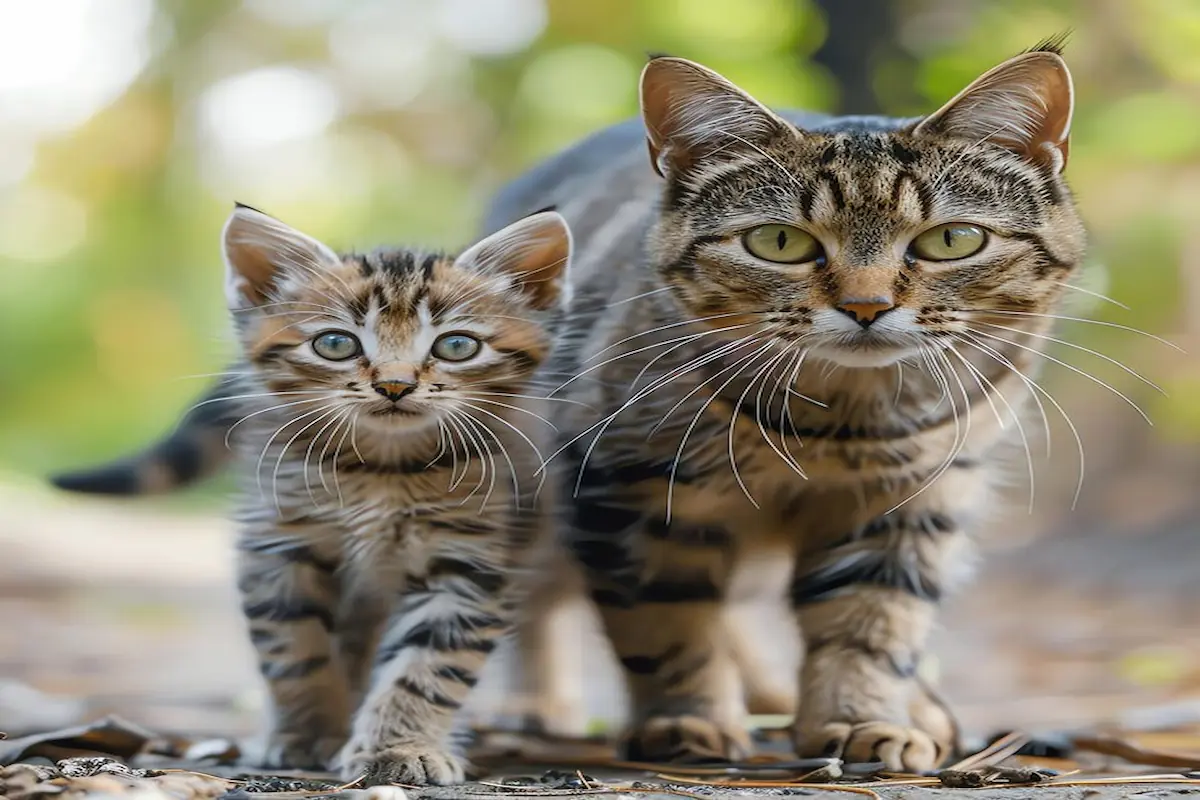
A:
<point x="195" y="450"/>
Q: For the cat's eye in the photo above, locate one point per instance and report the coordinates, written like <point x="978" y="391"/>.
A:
<point x="336" y="345"/>
<point x="456" y="347"/>
<point x="949" y="242"/>
<point x="782" y="244"/>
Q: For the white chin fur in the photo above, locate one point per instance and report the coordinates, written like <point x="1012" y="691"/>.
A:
<point x="864" y="358"/>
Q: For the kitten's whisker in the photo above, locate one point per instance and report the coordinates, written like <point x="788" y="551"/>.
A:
<point x="476" y="398"/>
<point x="343" y="420"/>
<point x="321" y="414"/>
<point x="523" y="396"/>
<point x="1071" y="367"/>
<point x="1081" y="348"/>
<point x="335" y="418"/>
<point x="762" y="429"/>
<point x="269" y="409"/>
<point x="735" y="415"/>
<point x="504" y="452"/>
<point x="508" y="425"/>
<point x="266" y="447"/>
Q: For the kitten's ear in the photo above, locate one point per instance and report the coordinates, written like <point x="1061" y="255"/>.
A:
<point x="691" y="112"/>
<point x="258" y="249"/>
<point x="535" y="252"/>
<point x="1024" y="104"/>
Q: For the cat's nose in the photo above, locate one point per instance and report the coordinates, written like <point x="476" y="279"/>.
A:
<point x="394" y="389"/>
<point x="864" y="311"/>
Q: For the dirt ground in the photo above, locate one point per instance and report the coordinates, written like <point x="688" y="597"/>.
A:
<point x="129" y="609"/>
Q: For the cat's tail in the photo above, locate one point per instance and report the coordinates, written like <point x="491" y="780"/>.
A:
<point x="195" y="450"/>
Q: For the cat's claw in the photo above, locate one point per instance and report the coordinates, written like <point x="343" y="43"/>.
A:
<point x="410" y="764"/>
<point x="687" y="739"/>
<point x="900" y="748"/>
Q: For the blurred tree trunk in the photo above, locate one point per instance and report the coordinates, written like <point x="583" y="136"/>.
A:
<point x="860" y="34"/>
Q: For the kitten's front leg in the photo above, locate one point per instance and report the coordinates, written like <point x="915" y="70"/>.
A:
<point x="866" y="606"/>
<point x="429" y="658"/>
<point x="288" y="593"/>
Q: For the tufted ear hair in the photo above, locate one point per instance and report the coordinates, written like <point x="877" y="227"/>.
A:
<point x="1024" y="105"/>
<point x="258" y="249"/>
<point x="692" y="113"/>
<point x="535" y="252"/>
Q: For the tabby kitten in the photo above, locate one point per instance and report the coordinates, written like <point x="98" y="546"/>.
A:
<point x="389" y="451"/>
<point x="809" y="340"/>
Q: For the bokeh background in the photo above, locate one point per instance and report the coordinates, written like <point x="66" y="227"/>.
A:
<point x="129" y="127"/>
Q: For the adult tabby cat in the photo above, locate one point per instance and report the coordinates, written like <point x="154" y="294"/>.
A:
<point x="826" y="339"/>
<point x="808" y="340"/>
<point x="389" y="448"/>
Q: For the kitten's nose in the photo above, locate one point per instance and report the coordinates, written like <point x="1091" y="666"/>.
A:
<point x="864" y="311"/>
<point x="394" y="389"/>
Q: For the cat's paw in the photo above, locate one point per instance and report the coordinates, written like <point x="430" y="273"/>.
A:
<point x="408" y="763"/>
<point x="293" y="751"/>
<point x="900" y="748"/>
<point x="686" y="739"/>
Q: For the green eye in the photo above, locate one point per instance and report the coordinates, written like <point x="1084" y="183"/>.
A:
<point x="948" y="242"/>
<point x="455" y="347"/>
<point x="336" y="345"/>
<point x="782" y="244"/>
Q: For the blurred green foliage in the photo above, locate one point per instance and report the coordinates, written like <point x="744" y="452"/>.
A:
<point x="371" y="122"/>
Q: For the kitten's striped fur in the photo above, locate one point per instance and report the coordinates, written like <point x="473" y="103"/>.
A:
<point x="389" y="495"/>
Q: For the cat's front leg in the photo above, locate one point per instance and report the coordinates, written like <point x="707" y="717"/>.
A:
<point x="289" y="592"/>
<point x="866" y="606"/>
<point x="430" y="655"/>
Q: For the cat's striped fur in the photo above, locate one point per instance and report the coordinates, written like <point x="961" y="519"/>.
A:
<point x="742" y="415"/>
<point x="389" y="494"/>
<point x="734" y="416"/>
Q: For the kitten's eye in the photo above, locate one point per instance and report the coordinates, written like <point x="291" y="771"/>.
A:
<point x="455" y="347"/>
<point x="782" y="244"/>
<point x="336" y="345"/>
<point x="949" y="242"/>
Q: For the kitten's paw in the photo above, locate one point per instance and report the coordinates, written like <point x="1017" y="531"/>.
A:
<point x="686" y="739"/>
<point x="294" y="751"/>
<point x="536" y="716"/>
<point x="901" y="748"/>
<point x="409" y="763"/>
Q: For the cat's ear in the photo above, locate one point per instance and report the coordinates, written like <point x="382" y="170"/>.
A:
<point x="1024" y="105"/>
<point x="259" y="249"/>
<point x="691" y="113"/>
<point x="535" y="252"/>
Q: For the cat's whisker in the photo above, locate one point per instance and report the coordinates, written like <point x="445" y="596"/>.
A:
<point x="735" y="414"/>
<point x="457" y="478"/>
<point x="507" y="424"/>
<point x="659" y="328"/>
<point x="515" y="395"/>
<point x="1102" y="323"/>
<point x="1071" y="367"/>
<point x="787" y="405"/>
<point x="685" y="339"/>
<point x="987" y="387"/>
<point x="267" y="446"/>
<point x="487" y="461"/>
<point x="674" y="471"/>
<point x="692" y="366"/>
<point x="1081" y="348"/>
<point x="959" y="442"/>
<point x="1036" y="396"/>
<point x="343" y="420"/>
<point x="762" y="429"/>
<point x="1095" y="294"/>
<point x="625" y="300"/>
<point x="983" y="347"/>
